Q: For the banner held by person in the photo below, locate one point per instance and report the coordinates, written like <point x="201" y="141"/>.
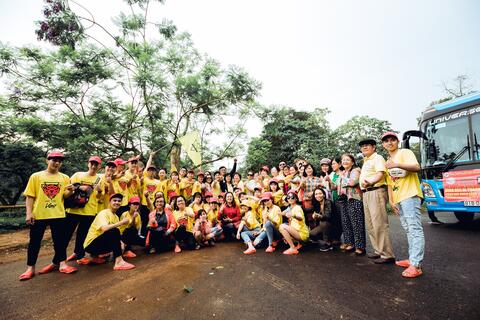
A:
<point x="191" y="143"/>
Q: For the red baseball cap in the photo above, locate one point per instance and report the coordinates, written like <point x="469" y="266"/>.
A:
<point x="134" y="199"/>
<point x="266" y="196"/>
<point x="208" y="194"/>
<point x="200" y="173"/>
<point x="96" y="159"/>
<point x="266" y="168"/>
<point x="119" y="161"/>
<point x="55" y="154"/>
<point x="273" y="181"/>
<point x="389" y="134"/>
<point x="213" y="200"/>
<point x="111" y="163"/>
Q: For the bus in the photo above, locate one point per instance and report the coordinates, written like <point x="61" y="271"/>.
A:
<point x="450" y="156"/>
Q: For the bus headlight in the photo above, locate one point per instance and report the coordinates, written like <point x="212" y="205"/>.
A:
<point x="427" y="190"/>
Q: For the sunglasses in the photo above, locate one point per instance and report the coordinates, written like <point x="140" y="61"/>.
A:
<point x="135" y="203"/>
<point x="94" y="163"/>
<point x="250" y="174"/>
<point x="291" y="197"/>
<point x="56" y="159"/>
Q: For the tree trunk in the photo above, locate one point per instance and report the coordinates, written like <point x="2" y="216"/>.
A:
<point x="175" y="157"/>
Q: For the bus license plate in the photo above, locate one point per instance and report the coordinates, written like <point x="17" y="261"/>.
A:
<point x="471" y="203"/>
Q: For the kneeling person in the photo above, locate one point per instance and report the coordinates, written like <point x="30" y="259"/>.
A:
<point x="130" y="231"/>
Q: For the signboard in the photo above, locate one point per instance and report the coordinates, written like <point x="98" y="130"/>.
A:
<point x="462" y="186"/>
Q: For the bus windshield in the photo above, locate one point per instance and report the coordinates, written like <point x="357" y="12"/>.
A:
<point x="445" y="140"/>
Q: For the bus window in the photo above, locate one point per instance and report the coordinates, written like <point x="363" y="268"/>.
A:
<point x="476" y="132"/>
<point x="446" y="139"/>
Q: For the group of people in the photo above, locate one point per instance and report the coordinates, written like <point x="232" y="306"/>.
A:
<point x="132" y="204"/>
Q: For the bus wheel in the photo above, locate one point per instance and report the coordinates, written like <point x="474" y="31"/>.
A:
<point x="464" y="216"/>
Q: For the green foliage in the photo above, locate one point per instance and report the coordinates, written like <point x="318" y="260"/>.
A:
<point x="258" y="153"/>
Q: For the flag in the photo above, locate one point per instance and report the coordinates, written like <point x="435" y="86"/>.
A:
<point x="191" y="144"/>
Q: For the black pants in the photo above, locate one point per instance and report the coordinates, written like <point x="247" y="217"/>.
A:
<point x="229" y="231"/>
<point x="144" y="212"/>
<point x="83" y="223"/>
<point x="109" y="241"/>
<point x="37" y="230"/>
<point x="130" y="237"/>
<point x="182" y="235"/>
<point x="160" y="241"/>
<point x="336" y="221"/>
<point x="321" y="231"/>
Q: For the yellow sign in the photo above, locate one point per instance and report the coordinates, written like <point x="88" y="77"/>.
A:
<point x="191" y="144"/>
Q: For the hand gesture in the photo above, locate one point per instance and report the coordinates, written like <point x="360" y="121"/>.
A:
<point x="70" y="188"/>
<point x="29" y="219"/>
<point x="125" y="221"/>
<point x="390" y="164"/>
<point x="394" y="208"/>
<point x="146" y="193"/>
<point x="238" y="235"/>
<point x="98" y="188"/>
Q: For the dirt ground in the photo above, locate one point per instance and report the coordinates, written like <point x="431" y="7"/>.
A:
<point x="229" y="285"/>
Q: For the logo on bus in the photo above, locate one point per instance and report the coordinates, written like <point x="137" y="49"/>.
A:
<point x="455" y="115"/>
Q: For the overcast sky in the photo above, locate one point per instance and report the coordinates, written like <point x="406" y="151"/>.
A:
<point x="385" y="59"/>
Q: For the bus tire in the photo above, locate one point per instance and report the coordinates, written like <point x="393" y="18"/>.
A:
<point x="464" y="216"/>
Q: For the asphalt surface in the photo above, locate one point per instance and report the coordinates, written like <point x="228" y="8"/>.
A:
<point x="229" y="285"/>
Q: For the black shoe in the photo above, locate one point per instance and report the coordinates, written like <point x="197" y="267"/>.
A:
<point x="385" y="261"/>
<point x="325" y="247"/>
<point x="373" y="256"/>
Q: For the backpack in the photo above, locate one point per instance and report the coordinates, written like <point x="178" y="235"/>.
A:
<point x="80" y="196"/>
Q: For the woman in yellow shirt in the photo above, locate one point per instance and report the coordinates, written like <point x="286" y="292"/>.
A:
<point x="249" y="227"/>
<point x="296" y="229"/>
<point x="185" y="218"/>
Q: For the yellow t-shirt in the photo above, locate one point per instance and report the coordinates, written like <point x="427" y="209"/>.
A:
<point x="91" y="208"/>
<point x="189" y="188"/>
<point x="103" y="203"/>
<point x="48" y="190"/>
<point x="277" y="197"/>
<point x="182" y="219"/>
<point x="251" y="221"/>
<point x="103" y="218"/>
<point x="137" y="222"/>
<point x="212" y="216"/>
<point x="152" y="186"/>
<point x="274" y="215"/>
<point x="371" y="165"/>
<point x="408" y="186"/>
<point x="172" y="187"/>
<point x="299" y="225"/>
<point x="134" y="188"/>
<point x="256" y="209"/>
<point x="216" y="189"/>
<point x="120" y="185"/>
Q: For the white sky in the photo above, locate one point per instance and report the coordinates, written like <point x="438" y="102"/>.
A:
<point x="385" y="59"/>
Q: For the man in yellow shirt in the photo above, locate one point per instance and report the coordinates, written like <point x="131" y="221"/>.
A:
<point x="44" y="194"/>
<point x="104" y="234"/>
<point x="373" y="185"/>
<point x="405" y="199"/>
<point x="82" y="216"/>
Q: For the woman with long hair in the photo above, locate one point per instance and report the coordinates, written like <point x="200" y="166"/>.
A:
<point x="319" y="221"/>
<point x="309" y="183"/>
<point x="296" y="229"/>
<point x="229" y="216"/>
<point x="351" y="207"/>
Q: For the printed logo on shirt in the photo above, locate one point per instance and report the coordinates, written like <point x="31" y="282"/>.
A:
<point x="151" y="188"/>
<point x="51" y="189"/>
<point x="122" y="184"/>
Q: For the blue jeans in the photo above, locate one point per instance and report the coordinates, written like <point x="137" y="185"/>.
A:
<point x="248" y="235"/>
<point x="270" y="232"/>
<point x="411" y="220"/>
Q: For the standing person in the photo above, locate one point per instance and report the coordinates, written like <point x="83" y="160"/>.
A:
<point x="351" y="207"/>
<point x="405" y="199"/>
<point x="296" y="229"/>
<point x="223" y="172"/>
<point x="308" y="184"/>
<point x="189" y="186"/>
<point x="82" y="216"/>
<point x="230" y="216"/>
<point x="130" y="232"/>
<point x="45" y="193"/>
<point x="172" y="187"/>
<point x="336" y="230"/>
<point x="184" y="217"/>
<point x="108" y="187"/>
<point x="237" y="182"/>
<point x="104" y="234"/>
<point x="120" y="184"/>
<point x="272" y="219"/>
<point x="161" y="226"/>
<point x="374" y="189"/>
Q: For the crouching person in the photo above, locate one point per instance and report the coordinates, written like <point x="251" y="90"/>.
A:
<point x="203" y="232"/>
<point x="249" y="228"/>
<point x="131" y="231"/>
<point x="161" y="227"/>
<point x="104" y="234"/>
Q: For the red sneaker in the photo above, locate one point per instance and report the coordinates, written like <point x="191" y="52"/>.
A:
<point x="129" y="254"/>
<point x="124" y="266"/>
<point x="403" y="263"/>
<point x="177" y="249"/>
<point x="84" y="261"/>
<point x="290" y="251"/>
<point x="48" y="269"/>
<point x="68" y="269"/>
<point x="27" y="275"/>
<point x="270" y="249"/>
<point x="97" y="260"/>
<point x="250" y="251"/>
<point x="72" y="257"/>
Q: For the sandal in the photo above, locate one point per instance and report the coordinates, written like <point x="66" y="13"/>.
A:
<point x="124" y="266"/>
<point x="412" y="272"/>
<point x="349" y="248"/>
<point x="27" y="275"/>
<point x="360" y="252"/>
<point x="403" y="263"/>
<point x="48" y="269"/>
<point x="290" y="251"/>
<point x="250" y="251"/>
<point x="68" y="269"/>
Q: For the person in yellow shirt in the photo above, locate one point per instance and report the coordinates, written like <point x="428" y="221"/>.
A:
<point x="213" y="213"/>
<point x="249" y="227"/>
<point x="185" y="218"/>
<point x="172" y="186"/>
<point x="276" y="191"/>
<point x="374" y="189"/>
<point x="405" y="199"/>
<point x="189" y="186"/>
<point x="120" y="184"/>
<point x="197" y="203"/>
<point x="107" y="182"/>
<point x="82" y="217"/>
<point x="130" y="232"/>
<point x="104" y="234"/>
<point x="272" y="219"/>
<point x="45" y="193"/>
<point x="296" y="229"/>
<point x="216" y="184"/>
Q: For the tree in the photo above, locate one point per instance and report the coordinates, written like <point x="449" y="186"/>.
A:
<point x="90" y="96"/>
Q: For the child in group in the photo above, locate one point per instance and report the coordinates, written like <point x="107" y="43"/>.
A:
<point x="249" y="227"/>
<point x="203" y="231"/>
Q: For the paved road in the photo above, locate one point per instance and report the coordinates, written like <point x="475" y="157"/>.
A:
<point x="312" y="285"/>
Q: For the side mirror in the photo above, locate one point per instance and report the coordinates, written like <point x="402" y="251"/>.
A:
<point x="411" y="133"/>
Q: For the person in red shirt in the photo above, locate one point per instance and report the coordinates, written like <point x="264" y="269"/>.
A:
<point x="229" y="216"/>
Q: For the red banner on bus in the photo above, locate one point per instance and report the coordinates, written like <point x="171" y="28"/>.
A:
<point x="462" y="185"/>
